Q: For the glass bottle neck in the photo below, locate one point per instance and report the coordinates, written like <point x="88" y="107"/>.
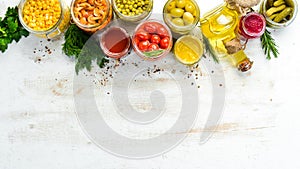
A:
<point x="231" y="5"/>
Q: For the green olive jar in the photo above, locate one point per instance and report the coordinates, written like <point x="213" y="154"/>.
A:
<point x="132" y="10"/>
<point x="181" y="16"/>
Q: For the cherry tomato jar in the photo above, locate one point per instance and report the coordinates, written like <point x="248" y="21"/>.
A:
<point x="91" y="15"/>
<point x="44" y="18"/>
<point x="152" y="40"/>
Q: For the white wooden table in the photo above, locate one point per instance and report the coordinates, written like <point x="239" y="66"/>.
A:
<point x="259" y="128"/>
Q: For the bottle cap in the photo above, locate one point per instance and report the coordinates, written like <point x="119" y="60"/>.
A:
<point x="245" y="65"/>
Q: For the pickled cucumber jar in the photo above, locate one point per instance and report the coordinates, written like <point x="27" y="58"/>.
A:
<point x="91" y="15"/>
<point x="44" y="18"/>
<point x="181" y="15"/>
<point x="286" y="21"/>
<point x="133" y="10"/>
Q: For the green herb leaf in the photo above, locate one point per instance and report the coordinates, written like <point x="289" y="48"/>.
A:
<point x="12" y="24"/>
<point x="153" y="53"/>
<point x="10" y="28"/>
<point x="84" y="48"/>
<point x="210" y="50"/>
<point x="268" y="45"/>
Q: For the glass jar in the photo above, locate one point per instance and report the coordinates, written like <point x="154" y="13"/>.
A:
<point x="133" y="12"/>
<point x="152" y="40"/>
<point x="252" y="25"/>
<point x="188" y="49"/>
<point x="91" y="16"/>
<point x="272" y="24"/>
<point x="219" y="27"/>
<point x="220" y="23"/>
<point x="115" y="42"/>
<point x="181" y="16"/>
<point x="39" y="18"/>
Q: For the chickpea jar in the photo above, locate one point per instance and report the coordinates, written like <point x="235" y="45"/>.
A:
<point x="133" y="10"/>
<point x="44" y="18"/>
<point x="91" y="15"/>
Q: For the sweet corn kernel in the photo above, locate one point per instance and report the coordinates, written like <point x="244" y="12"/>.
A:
<point x="41" y="14"/>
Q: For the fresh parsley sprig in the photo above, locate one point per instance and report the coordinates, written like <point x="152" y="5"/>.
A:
<point x="11" y="28"/>
<point x="268" y="45"/>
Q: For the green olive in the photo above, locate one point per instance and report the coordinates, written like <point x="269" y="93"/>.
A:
<point x="188" y="18"/>
<point x="195" y="13"/>
<point x="171" y="6"/>
<point x="178" y="21"/>
<point x="190" y="7"/>
<point x="177" y="12"/>
<point x="169" y="17"/>
<point x="180" y="3"/>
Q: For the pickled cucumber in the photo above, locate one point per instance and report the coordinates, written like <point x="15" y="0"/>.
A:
<point x="287" y="11"/>
<point x="270" y="3"/>
<point x="279" y="2"/>
<point x="273" y="16"/>
<point x="289" y="3"/>
<point x="280" y="10"/>
<point x="274" y="10"/>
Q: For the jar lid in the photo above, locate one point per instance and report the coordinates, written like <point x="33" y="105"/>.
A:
<point x="244" y="3"/>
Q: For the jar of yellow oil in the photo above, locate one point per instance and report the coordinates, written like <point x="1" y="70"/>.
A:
<point x="219" y="27"/>
<point x="188" y="49"/>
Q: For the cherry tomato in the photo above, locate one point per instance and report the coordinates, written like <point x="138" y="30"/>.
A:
<point x="164" y="43"/>
<point x="142" y="35"/>
<point x="155" y="39"/>
<point x="136" y="40"/>
<point x="162" y="32"/>
<point x="143" y="45"/>
<point x="150" y="28"/>
<point x="153" y="46"/>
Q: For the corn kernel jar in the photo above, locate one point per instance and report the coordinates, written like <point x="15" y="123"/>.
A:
<point x="91" y="15"/>
<point x="44" y="18"/>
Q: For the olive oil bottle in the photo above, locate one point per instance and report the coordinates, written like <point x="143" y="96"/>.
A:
<point x="241" y="61"/>
<point x="219" y="27"/>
